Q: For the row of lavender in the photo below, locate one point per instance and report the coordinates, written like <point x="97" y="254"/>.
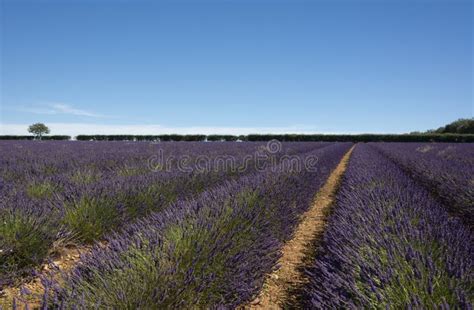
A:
<point x="58" y="192"/>
<point x="445" y="169"/>
<point x="390" y="243"/>
<point x="209" y="252"/>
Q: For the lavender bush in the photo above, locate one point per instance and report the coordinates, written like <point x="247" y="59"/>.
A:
<point x="445" y="169"/>
<point x="389" y="244"/>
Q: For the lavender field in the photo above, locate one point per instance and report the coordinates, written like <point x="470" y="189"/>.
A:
<point x="389" y="242"/>
<point x="202" y="225"/>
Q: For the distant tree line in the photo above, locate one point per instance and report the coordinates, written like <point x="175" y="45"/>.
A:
<point x="171" y="137"/>
<point x="286" y="137"/>
<point x="461" y="130"/>
<point x="366" y="138"/>
<point x="431" y="137"/>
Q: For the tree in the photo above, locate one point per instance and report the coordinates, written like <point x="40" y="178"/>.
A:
<point x="461" y="126"/>
<point x="38" y="129"/>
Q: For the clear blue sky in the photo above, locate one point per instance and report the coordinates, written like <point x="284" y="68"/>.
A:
<point x="302" y="66"/>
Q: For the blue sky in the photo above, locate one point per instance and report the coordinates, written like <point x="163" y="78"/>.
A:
<point x="341" y="66"/>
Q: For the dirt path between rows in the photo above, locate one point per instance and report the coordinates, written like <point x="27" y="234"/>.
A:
<point x="274" y="294"/>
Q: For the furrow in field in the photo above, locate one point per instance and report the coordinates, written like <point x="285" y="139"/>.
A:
<point x="275" y="292"/>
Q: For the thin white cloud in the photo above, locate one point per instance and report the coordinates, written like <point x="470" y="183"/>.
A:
<point x="74" y="129"/>
<point x="59" y="108"/>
